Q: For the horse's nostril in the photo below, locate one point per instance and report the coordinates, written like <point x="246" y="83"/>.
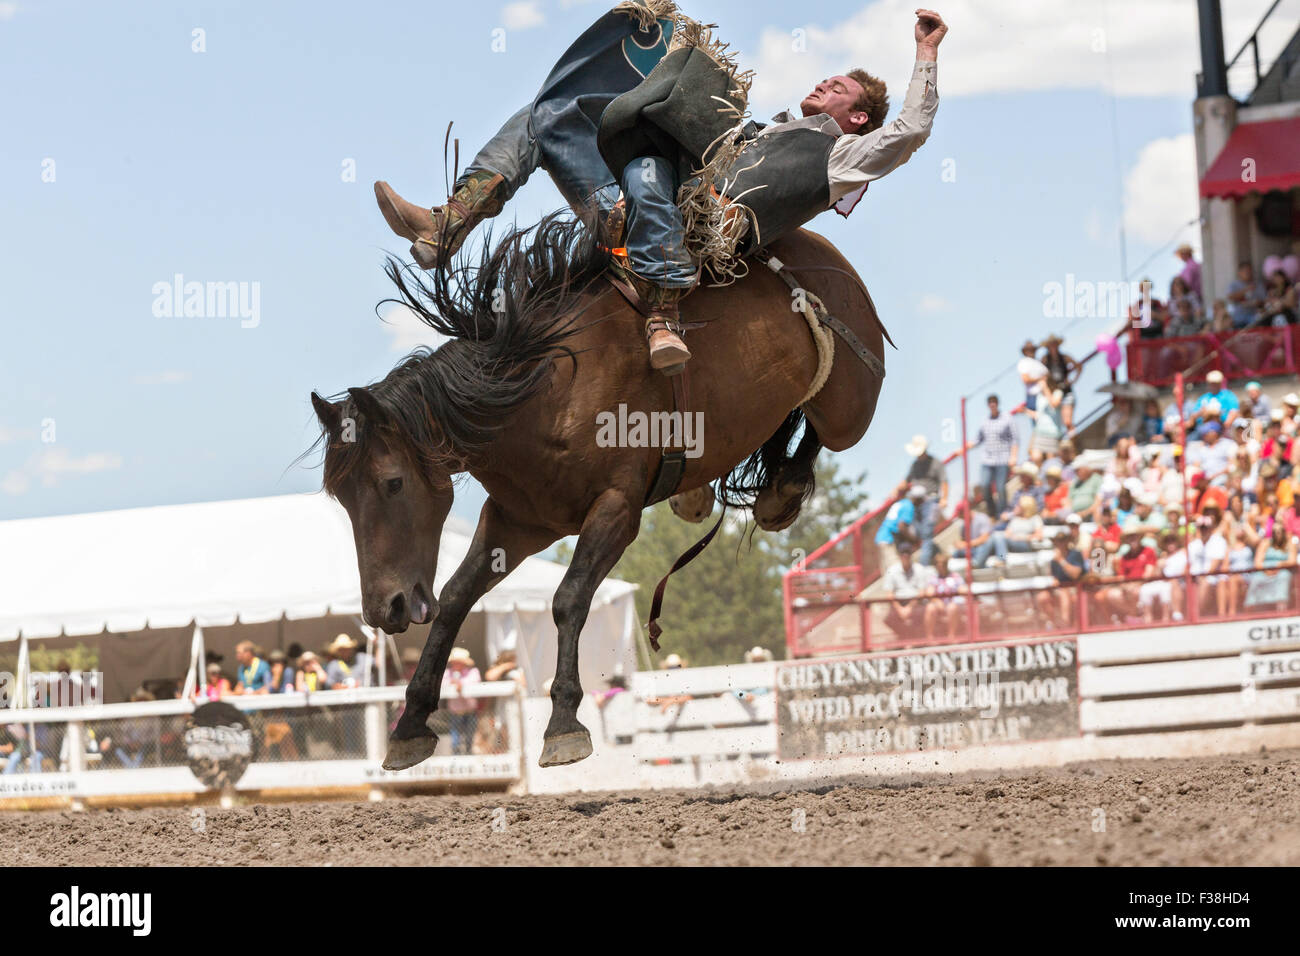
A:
<point x="396" y="608"/>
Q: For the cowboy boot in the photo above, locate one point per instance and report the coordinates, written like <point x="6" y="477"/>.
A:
<point x="663" y="328"/>
<point x="436" y="234"/>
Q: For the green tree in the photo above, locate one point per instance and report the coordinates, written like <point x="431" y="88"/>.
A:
<point x="729" y="598"/>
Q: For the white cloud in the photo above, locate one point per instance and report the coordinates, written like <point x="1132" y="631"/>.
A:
<point x="931" y="303"/>
<point x="995" y="46"/>
<point x="406" y="331"/>
<point x="1160" y="193"/>
<point x="170" y="377"/>
<point x="523" y="15"/>
<point x="8" y="9"/>
<point x="52" y="465"/>
<point x="8" y="434"/>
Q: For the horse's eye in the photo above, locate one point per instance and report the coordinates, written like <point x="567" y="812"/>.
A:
<point x="394" y="485"/>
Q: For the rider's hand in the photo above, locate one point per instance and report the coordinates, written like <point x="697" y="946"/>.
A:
<point x="930" y="31"/>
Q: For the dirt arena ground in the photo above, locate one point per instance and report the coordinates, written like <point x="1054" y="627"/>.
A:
<point x="1218" y="811"/>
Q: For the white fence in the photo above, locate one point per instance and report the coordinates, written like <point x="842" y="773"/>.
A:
<point x="330" y="739"/>
<point x="1174" y="691"/>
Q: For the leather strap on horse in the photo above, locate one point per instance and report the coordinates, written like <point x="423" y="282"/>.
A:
<point x="869" y="358"/>
<point x="693" y="552"/>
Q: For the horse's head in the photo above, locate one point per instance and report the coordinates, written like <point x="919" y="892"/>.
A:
<point x="398" y="501"/>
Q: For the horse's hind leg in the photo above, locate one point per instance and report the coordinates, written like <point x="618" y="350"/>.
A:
<point x="791" y="485"/>
<point x="610" y="526"/>
<point x="497" y="548"/>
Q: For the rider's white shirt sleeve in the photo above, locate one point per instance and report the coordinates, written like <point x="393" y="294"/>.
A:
<point x="857" y="160"/>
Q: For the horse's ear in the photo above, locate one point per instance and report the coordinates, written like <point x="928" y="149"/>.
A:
<point x="368" y="405"/>
<point x="327" y="413"/>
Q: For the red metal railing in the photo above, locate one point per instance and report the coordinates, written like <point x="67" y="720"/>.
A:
<point x="1024" y="612"/>
<point x="1249" y="353"/>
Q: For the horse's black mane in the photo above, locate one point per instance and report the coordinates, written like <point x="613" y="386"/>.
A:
<point x="507" y="313"/>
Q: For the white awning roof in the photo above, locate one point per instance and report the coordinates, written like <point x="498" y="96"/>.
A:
<point x="215" y="563"/>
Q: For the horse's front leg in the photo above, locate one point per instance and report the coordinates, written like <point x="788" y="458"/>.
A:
<point x="610" y="526"/>
<point x="497" y="549"/>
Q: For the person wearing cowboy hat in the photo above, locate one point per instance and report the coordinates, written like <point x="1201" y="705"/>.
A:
<point x="1062" y="370"/>
<point x="1290" y="412"/>
<point x="1191" y="273"/>
<point x="928" y="472"/>
<point x="1026" y="483"/>
<point x="350" y="667"/>
<point x="1032" y="372"/>
<point x="458" y="678"/>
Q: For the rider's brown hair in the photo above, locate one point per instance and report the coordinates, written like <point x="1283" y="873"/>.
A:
<point x="874" y="100"/>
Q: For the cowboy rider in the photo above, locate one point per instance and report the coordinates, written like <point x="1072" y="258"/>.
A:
<point x="856" y="149"/>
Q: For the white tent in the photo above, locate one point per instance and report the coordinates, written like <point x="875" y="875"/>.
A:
<point x="262" y="559"/>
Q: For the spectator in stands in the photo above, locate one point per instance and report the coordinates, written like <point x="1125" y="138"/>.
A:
<point x="1084" y="490"/>
<point x="217" y="686"/>
<point x="1048" y="425"/>
<point x="981" y="533"/>
<point x="15" y="748"/>
<point x="1163" y="593"/>
<point x="311" y="676"/>
<point x="351" y="666"/>
<point x="758" y="655"/>
<point x="253" y="676"/>
<point x="1217" y="393"/>
<point x="944" y="610"/>
<point x="1056" y="493"/>
<point x="1214" y="456"/>
<point x="1180" y="294"/>
<point x="1271" y="585"/>
<point x="1153" y="425"/>
<point x="1026" y="482"/>
<point x="1207" y="553"/>
<point x="1245" y="297"/>
<point x="1124" y="420"/>
<point x="1279" y="306"/>
<point x="1135" y="562"/>
<point x="1257" y="406"/>
<point x="460" y="676"/>
<point x="506" y="667"/>
<point x="282" y="676"/>
<point x="1068" y="568"/>
<point x="899" y="525"/>
<point x="1062" y="372"/>
<point x="1185" y="318"/>
<point x="617" y="684"/>
<point x="1191" y="274"/>
<point x="134" y="735"/>
<point x="1024" y="530"/>
<point x="997" y="437"/>
<point x="906" y="583"/>
<point x="1290" y="413"/>
<point x="1066" y="454"/>
<point x="1221" y="323"/>
<point x="1032" y="372"/>
<point x="928" y="472"/>
<point x="1148" y="314"/>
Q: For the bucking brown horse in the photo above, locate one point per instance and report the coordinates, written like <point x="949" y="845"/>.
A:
<point x="540" y="346"/>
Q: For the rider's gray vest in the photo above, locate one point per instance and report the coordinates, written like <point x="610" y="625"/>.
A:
<point x="782" y="178"/>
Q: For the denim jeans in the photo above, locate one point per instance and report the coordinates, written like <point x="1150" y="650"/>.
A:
<point x="654" y="238"/>
<point x="127" y="760"/>
<point x="996" y="476"/>
<point x="462" y="731"/>
<point x="927" y="518"/>
<point x="16" y="758"/>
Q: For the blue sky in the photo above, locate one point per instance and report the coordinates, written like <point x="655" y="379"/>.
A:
<point x="227" y="165"/>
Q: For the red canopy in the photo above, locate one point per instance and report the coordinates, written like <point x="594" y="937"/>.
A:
<point x="1274" y="146"/>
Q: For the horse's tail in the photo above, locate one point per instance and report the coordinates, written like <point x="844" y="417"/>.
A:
<point x="742" y="484"/>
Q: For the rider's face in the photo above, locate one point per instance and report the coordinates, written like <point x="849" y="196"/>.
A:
<point x="835" y="97"/>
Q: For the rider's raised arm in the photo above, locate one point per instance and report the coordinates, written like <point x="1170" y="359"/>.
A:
<point x="856" y="160"/>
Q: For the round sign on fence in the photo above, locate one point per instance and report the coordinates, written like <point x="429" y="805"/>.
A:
<point x="219" y="744"/>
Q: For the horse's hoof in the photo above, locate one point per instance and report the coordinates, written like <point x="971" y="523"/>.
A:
<point x="407" y="753"/>
<point x="566" y="748"/>
<point x="694" y="505"/>
<point x="675" y="369"/>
